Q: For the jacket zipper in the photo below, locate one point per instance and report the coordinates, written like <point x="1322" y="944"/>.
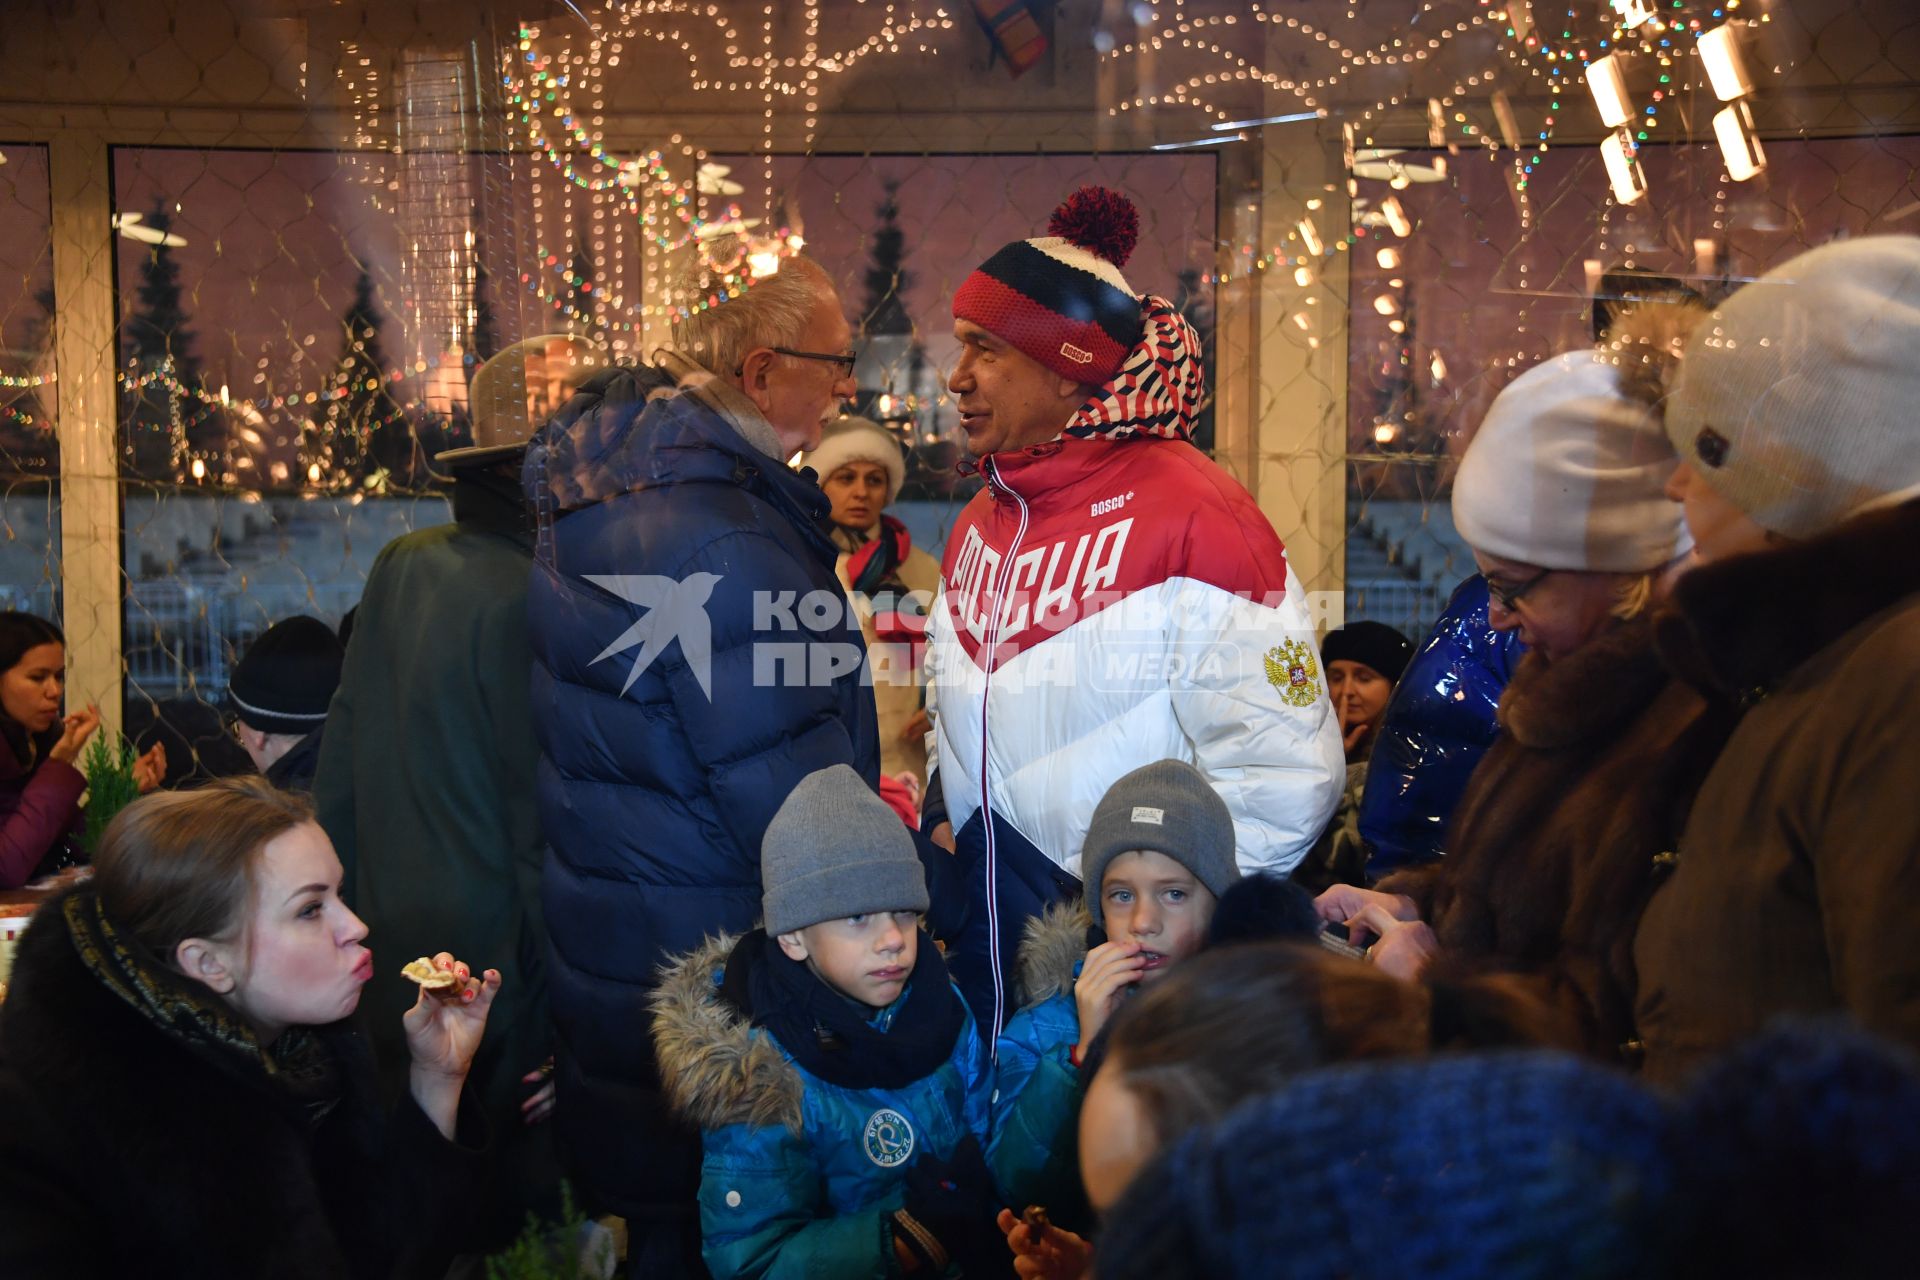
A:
<point x="1000" y="577"/>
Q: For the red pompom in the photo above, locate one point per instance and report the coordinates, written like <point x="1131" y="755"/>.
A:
<point x="1101" y="221"/>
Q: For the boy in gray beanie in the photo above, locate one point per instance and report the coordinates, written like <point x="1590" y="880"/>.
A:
<point x="1158" y="857"/>
<point x="828" y="1061"/>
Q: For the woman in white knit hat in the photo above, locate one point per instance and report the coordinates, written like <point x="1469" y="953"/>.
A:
<point x="1796" y="413"/>
<point x="1550" y="853"/>
<point x="888" y="579"/>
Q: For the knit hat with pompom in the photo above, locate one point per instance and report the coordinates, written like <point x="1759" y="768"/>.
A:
<point x="1061" y="298"/>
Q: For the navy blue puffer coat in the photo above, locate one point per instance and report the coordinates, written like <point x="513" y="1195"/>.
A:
<point x="656" y="786"/>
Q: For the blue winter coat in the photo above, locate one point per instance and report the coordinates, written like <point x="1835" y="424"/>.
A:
<point x="800" y="1177"/>
<point x="968" y="917"/>
<point x="655" y="789"/>
<point x="1037" y="1088"/>
<point x="1438" y="725"/>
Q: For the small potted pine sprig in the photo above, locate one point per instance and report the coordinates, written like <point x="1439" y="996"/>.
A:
<point x="110" y="782"/>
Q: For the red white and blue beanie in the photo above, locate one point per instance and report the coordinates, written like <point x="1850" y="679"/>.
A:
<point x="1061" y="298"/>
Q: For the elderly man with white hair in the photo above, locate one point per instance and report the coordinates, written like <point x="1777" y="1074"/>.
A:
<point x="694" y="658"/>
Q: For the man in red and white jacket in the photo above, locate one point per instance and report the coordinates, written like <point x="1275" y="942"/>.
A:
<point x="1110" y="598"/>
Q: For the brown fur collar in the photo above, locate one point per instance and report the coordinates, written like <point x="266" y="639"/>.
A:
<point x="1054" y="945"/>
<point x="717" y="1071"/>
<point x="1738" y="627"/>
<point x="1587" y="694"/>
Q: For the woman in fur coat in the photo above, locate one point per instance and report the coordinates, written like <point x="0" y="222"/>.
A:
<point x="180" y="1093"/>
<point x="1552" y="852"/>
<point x="1794" y="883"/>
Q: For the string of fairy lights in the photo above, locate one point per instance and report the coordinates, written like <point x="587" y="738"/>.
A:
<point x="555" y="87"/>
<point x="592" y="204"/>
<point x="1668" y="32"/>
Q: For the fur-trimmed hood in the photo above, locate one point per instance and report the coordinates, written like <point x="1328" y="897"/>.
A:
<point x="1051" y="950"/>
<point x="1735" y="629"/>
<point x="717" y="1071"/>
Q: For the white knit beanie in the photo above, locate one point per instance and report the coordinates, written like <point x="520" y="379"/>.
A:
<point x="1799" y="399"/>
<point x="1568" y="473"/>
<point x="858" y="440"/>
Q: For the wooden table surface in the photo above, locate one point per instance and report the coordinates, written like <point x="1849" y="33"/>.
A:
<point x="18" y="902"/>
<point x="15" y="906"/>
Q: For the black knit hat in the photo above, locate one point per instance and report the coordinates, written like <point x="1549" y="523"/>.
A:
<point x="286" y="679"/>
<point x="1374" y="643"/>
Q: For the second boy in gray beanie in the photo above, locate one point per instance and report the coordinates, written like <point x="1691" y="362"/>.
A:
<point x="1167" y="807"/>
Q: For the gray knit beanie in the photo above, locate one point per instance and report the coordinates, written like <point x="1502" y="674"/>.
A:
<point x="1167" y="807"/>
<point x="1795" y="399"/>
<point x="834" y="850"/>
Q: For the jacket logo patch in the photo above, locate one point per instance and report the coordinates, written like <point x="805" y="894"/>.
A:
<point x="1114" y="503"/>
<point x="1149" y="817"/>
<point x="1075" y="354"/>
<point x="1292" y="669"/>
<point x="888" y="1138"/>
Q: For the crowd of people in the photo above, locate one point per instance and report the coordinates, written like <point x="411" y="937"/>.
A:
<point x="818" y="910"/>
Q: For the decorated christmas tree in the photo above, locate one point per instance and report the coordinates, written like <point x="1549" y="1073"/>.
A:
<point x="162" y="421"/>
<point x="893" y="361"/>
<point x="360" y="403"/>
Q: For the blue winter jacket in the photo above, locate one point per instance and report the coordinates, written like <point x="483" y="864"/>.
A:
<point x="655" y="786"/>
<point x="1037" y="1088"/>
<point x="801" y="1177"/>
<point x="1438" y="725"/>
<point x="969" y="914"/>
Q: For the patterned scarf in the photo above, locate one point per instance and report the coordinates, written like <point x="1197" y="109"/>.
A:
<point x="1160" y="389"/>
<point x="874" y="558"/>
<point x="298" y="1066"/>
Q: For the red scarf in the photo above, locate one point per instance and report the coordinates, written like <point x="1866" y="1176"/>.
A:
<point x="874" y="572"/>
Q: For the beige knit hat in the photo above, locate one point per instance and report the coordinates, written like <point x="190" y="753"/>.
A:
<point x="1569" y="472"/>
<point x="514" y="393"/>
<point x="1799" y="399"/>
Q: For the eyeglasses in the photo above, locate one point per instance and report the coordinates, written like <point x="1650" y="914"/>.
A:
<point x="1510" y="597"/>
<point x="845" y="360"/>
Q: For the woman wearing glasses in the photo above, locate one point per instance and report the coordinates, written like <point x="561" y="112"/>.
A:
<point x="1552" y="852"/>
